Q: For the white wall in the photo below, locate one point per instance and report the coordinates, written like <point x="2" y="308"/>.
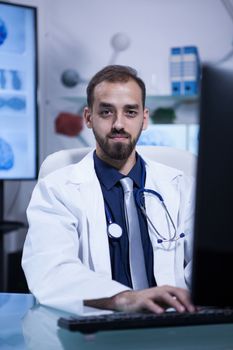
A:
<point x="152" y="25"/>
<point x="76" y="34"/>
<point x="83" y="43"/>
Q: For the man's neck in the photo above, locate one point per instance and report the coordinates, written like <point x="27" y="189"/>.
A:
<point x="123" y="166"/>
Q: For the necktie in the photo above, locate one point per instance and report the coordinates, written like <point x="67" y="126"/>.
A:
<point x="136" y="255"/>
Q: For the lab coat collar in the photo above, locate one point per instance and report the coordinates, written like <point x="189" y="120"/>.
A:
<point x="160" y="171"/>
<point x="83" y="171"/>
<point x="86" y="166"/>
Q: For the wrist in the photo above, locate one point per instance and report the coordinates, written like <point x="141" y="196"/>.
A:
<point x="116" y="302"/>
<point x="120" y="301"/>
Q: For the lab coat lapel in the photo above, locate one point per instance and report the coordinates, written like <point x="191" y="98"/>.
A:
<point x="98" y="238"/>
<point x="164" y="253"/>
<point x="93" y="206"/>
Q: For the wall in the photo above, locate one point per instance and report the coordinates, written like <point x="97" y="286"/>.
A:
<point x="77" y="33"/>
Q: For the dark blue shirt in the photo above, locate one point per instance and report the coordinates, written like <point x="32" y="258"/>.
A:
<point x="114" y="197"/>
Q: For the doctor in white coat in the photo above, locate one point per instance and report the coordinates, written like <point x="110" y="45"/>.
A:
<point x="66" y="257"/>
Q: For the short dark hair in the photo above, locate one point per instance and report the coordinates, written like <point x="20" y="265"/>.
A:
<point x="114" y="73"/>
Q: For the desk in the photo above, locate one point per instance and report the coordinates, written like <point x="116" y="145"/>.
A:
<point x="25" y="325"/>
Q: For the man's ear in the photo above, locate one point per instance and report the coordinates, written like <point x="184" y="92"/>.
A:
<point x="145" y="118"/>
<point x="87" y="117"/>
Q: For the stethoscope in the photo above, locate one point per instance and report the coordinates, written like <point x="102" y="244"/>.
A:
<point x="115" y="231"/>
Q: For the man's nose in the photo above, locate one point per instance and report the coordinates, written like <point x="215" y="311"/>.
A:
<point x="118" y="121"/>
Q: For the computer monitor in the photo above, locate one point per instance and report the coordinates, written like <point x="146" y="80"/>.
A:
<point x="212" y="277"/>
<point x="18" y="94"/>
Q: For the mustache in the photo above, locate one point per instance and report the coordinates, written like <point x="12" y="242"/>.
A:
<point x="121" y="132"/>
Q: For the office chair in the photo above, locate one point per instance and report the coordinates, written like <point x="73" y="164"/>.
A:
<point x="173" y="157"/>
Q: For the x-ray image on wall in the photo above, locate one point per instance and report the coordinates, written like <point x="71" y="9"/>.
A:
<point x="18" y="92"/>
<point x="13" y="147"/>
<point x="164" y="135"/>
<point x="12" y="27"/>
<point x="12" y="103"/>
<point x="6" y="155"/>
<point x="12" y="79"/>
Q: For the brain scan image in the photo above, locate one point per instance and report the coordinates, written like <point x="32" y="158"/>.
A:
<point x="14" y="103"/>
<point x="12" y="79"/>
<point x="6" y="155"/>
<point x="3" y="32"/>
<point x="12" y="29"/>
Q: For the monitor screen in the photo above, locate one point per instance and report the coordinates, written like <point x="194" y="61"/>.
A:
<point x="212" y="282"/>
<point x="171" y="135"/>
<point x="18" y="92"/>
<point x="193" y="138"/>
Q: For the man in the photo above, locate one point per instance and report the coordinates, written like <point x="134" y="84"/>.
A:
<point x="69" y="259"/>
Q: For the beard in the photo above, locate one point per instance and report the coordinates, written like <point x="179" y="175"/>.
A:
<point x="117" y="150"/>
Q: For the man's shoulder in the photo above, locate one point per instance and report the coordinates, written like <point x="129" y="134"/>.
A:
<point x="157" y="169"/>
<point x="164" y="174"/>
<point x="167" y="178"/>
<point x="76" y="172"/>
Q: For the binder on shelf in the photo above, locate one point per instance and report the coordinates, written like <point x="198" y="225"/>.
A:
<point x="176" y="71"/>
<point x="191" y="70"/>
<point x="184" y="70"/>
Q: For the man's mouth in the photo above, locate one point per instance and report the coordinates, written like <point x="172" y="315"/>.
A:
<point x="119" y="137"/>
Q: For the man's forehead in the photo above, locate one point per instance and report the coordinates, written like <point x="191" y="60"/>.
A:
<point x="108" y="89"/>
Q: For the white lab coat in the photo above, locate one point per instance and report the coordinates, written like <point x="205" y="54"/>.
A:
<point x="66" y="254"/>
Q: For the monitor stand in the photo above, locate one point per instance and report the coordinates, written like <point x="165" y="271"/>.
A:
<point x="5" y="227"/>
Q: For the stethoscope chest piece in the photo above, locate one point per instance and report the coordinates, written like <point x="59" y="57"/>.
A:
<point x="114" y="230"/>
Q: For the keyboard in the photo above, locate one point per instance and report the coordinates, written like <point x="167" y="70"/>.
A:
<point x="123" y="320"/>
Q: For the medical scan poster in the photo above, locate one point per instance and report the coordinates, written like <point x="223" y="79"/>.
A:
<point x="18" y="112"/>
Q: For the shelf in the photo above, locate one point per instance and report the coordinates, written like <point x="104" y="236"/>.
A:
<point x="154" y="101"/>
<point x="157" y="101"/>
<point x="75" y="99"/>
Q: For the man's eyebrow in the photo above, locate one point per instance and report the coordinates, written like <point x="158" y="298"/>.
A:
<point x="105" y="104"/>
<point x="133" y="106"/>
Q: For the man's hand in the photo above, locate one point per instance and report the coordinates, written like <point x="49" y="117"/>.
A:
<point x="156" y="299"/>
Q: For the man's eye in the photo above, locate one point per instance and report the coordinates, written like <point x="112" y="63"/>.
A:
<point x="106" y="112"/>
<point x="131" y="113"/>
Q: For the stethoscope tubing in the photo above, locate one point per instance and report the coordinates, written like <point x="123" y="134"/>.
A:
<point x="139" y="199"/>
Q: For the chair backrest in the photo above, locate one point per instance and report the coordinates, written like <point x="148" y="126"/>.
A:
<point x="173" y="157"/>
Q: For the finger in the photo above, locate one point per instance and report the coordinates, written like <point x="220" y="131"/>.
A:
<point x="150" y="305"/>
<point x="184" y="298"/>
<point x="172" y="301"/>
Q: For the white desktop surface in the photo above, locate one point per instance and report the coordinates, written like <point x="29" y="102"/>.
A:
<point x="24" y="325"/>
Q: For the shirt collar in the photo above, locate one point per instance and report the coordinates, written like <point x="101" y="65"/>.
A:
<point x="109" y="176"/>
